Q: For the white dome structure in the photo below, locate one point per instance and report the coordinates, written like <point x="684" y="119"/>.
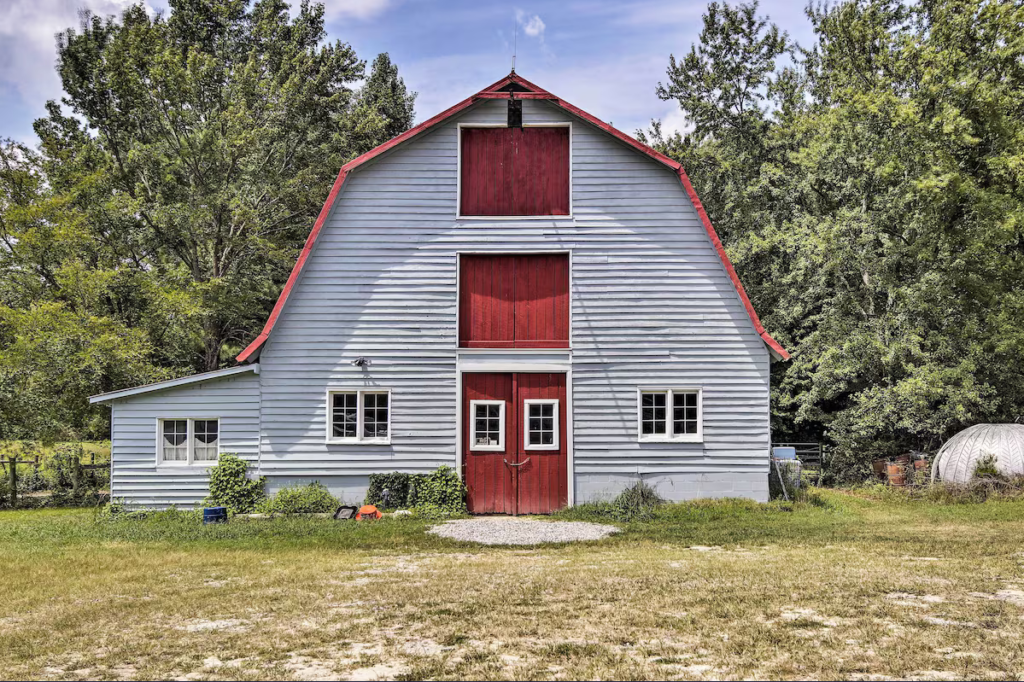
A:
<point x="959" y="456"/>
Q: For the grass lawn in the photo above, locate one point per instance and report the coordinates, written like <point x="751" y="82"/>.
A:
<point x="842" y="588"/>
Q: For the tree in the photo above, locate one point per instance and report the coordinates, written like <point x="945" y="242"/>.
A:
<point x="885" y="242"/>
<point x="385" y="108"/>
<point x="209" y="141"/>
<point x="150" y="234"/>
<point x="60" y="341"/>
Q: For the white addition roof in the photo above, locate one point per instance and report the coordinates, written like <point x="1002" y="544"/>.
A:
<point x="171" y="383"/>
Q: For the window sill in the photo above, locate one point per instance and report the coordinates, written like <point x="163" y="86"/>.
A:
<point x="515" y="217"/>
<point x="689" y="439"/>
<point x="356" y="441"/>
<point x="186" y="465"/>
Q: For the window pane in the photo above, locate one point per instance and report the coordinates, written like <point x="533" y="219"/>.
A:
<point x="206" y="438"/>
<point x="375" y="415"/>
<point x="653" y="413"/>
<point x="684" y="413"/>
<point x="540" y="426"/>
<point x="345" y="415"/>
<point x="487" y="425"/>
<point x="174" y="443"/>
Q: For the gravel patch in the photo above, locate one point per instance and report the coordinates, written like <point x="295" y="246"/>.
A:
<point x="504" y="530"/>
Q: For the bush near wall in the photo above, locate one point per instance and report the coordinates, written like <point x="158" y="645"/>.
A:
<point x="231" y="487"/>
<point x="301" y="499"/>
<point x="440" y="493"/>
<point x="398" y="487"/>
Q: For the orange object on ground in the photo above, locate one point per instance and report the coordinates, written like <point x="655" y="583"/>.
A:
<point x="368" y="512"/>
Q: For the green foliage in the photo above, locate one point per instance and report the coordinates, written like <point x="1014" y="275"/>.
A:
<point x="307" y="499"/>
<point x="438" y="494"/>
<point x="638" y="502"/>
<point x="231" y="487"/>
<point x="977" y="491"/>
<point x="398" y="486"/>
<point x="987" y="468"/>
<point x="868" y="190"/>
<point x="385" y="109"/>
<point x="175" y="182"/>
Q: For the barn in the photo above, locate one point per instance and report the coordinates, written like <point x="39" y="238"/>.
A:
<point x="513" y="288"/>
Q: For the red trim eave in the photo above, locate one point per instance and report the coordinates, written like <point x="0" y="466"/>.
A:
<point x="294" y="276"/>
<point x="491" y="92"/>
<point x="765" y="336"/>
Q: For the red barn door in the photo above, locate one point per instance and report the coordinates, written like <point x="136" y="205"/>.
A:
<point x="488" y="420"/>
<point x="509" y="301"/>
<point x="514" y="442"/>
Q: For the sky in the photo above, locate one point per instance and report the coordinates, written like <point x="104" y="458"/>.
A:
<point x="606" y="57"/>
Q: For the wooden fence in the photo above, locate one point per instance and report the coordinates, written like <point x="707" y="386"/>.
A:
<point x="11" y="467"/>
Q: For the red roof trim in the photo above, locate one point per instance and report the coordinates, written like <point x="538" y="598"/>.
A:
<point x="490" y="92"/>
<point x="294" y="276"/>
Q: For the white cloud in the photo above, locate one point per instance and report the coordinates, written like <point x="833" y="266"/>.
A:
<point x="673" y="121"/>
<point x="28" y="52"/>
<point x="353" y="9"/>
<point x="533" y="25"/>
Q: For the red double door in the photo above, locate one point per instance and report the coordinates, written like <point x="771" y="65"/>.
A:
<point x="514" y="442"/>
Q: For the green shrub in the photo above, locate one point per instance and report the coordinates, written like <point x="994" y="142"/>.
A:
<point x="637" y="502"/>
<point x="398" y="486"/>
<point x="986" y="468"/>
<point x="66" y="498"/>
<point x="231" y="487"/>
<point x="439" y="494"/>
<point x="305" y="499"/>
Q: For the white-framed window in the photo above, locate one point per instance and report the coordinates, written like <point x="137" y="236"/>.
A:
<point x="359" y="416"/>
<point x="487" y="425"/>
<point x="670" y="414"/>
<point x="188" y="441"/>
<point x="540" y="425"/>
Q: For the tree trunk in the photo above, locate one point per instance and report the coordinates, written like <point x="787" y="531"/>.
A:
<point x="213" y="341"/>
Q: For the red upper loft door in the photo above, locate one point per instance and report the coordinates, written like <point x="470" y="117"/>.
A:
<point x="514" y="172"/>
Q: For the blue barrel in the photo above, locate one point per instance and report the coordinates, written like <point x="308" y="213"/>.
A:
<point x="215" y="515"/>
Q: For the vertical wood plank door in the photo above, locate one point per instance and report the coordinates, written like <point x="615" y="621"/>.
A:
<point x="542" y="474"/>
<point x="486" y="302"/>
<point x="541" y="171"/>
<point x="542" y="301"/>
<point x="528" y="474"/>
<point x="508" y="301"/>
<point x="489" y="480"/>
<point x="487" y="172"/>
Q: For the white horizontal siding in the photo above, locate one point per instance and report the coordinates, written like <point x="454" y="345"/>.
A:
<point x="135" y="476"/>
<point x="651" y="305"/>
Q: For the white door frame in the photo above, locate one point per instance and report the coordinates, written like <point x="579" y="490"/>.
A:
<point x="476" y="367"/>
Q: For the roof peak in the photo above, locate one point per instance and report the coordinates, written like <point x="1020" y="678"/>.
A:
<point x="494" y="91"/>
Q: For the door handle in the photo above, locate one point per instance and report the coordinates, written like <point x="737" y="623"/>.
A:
<point x="508" y="463"/>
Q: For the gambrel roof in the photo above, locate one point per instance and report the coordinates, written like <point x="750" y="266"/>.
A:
<point x="500" y="90"/>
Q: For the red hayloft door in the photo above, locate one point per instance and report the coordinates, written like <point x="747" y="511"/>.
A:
<point x="514" y="301"/>
<point x="514" y="442"/>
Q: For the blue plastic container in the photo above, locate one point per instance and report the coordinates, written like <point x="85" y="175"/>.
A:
<point x="215" y="515"/>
